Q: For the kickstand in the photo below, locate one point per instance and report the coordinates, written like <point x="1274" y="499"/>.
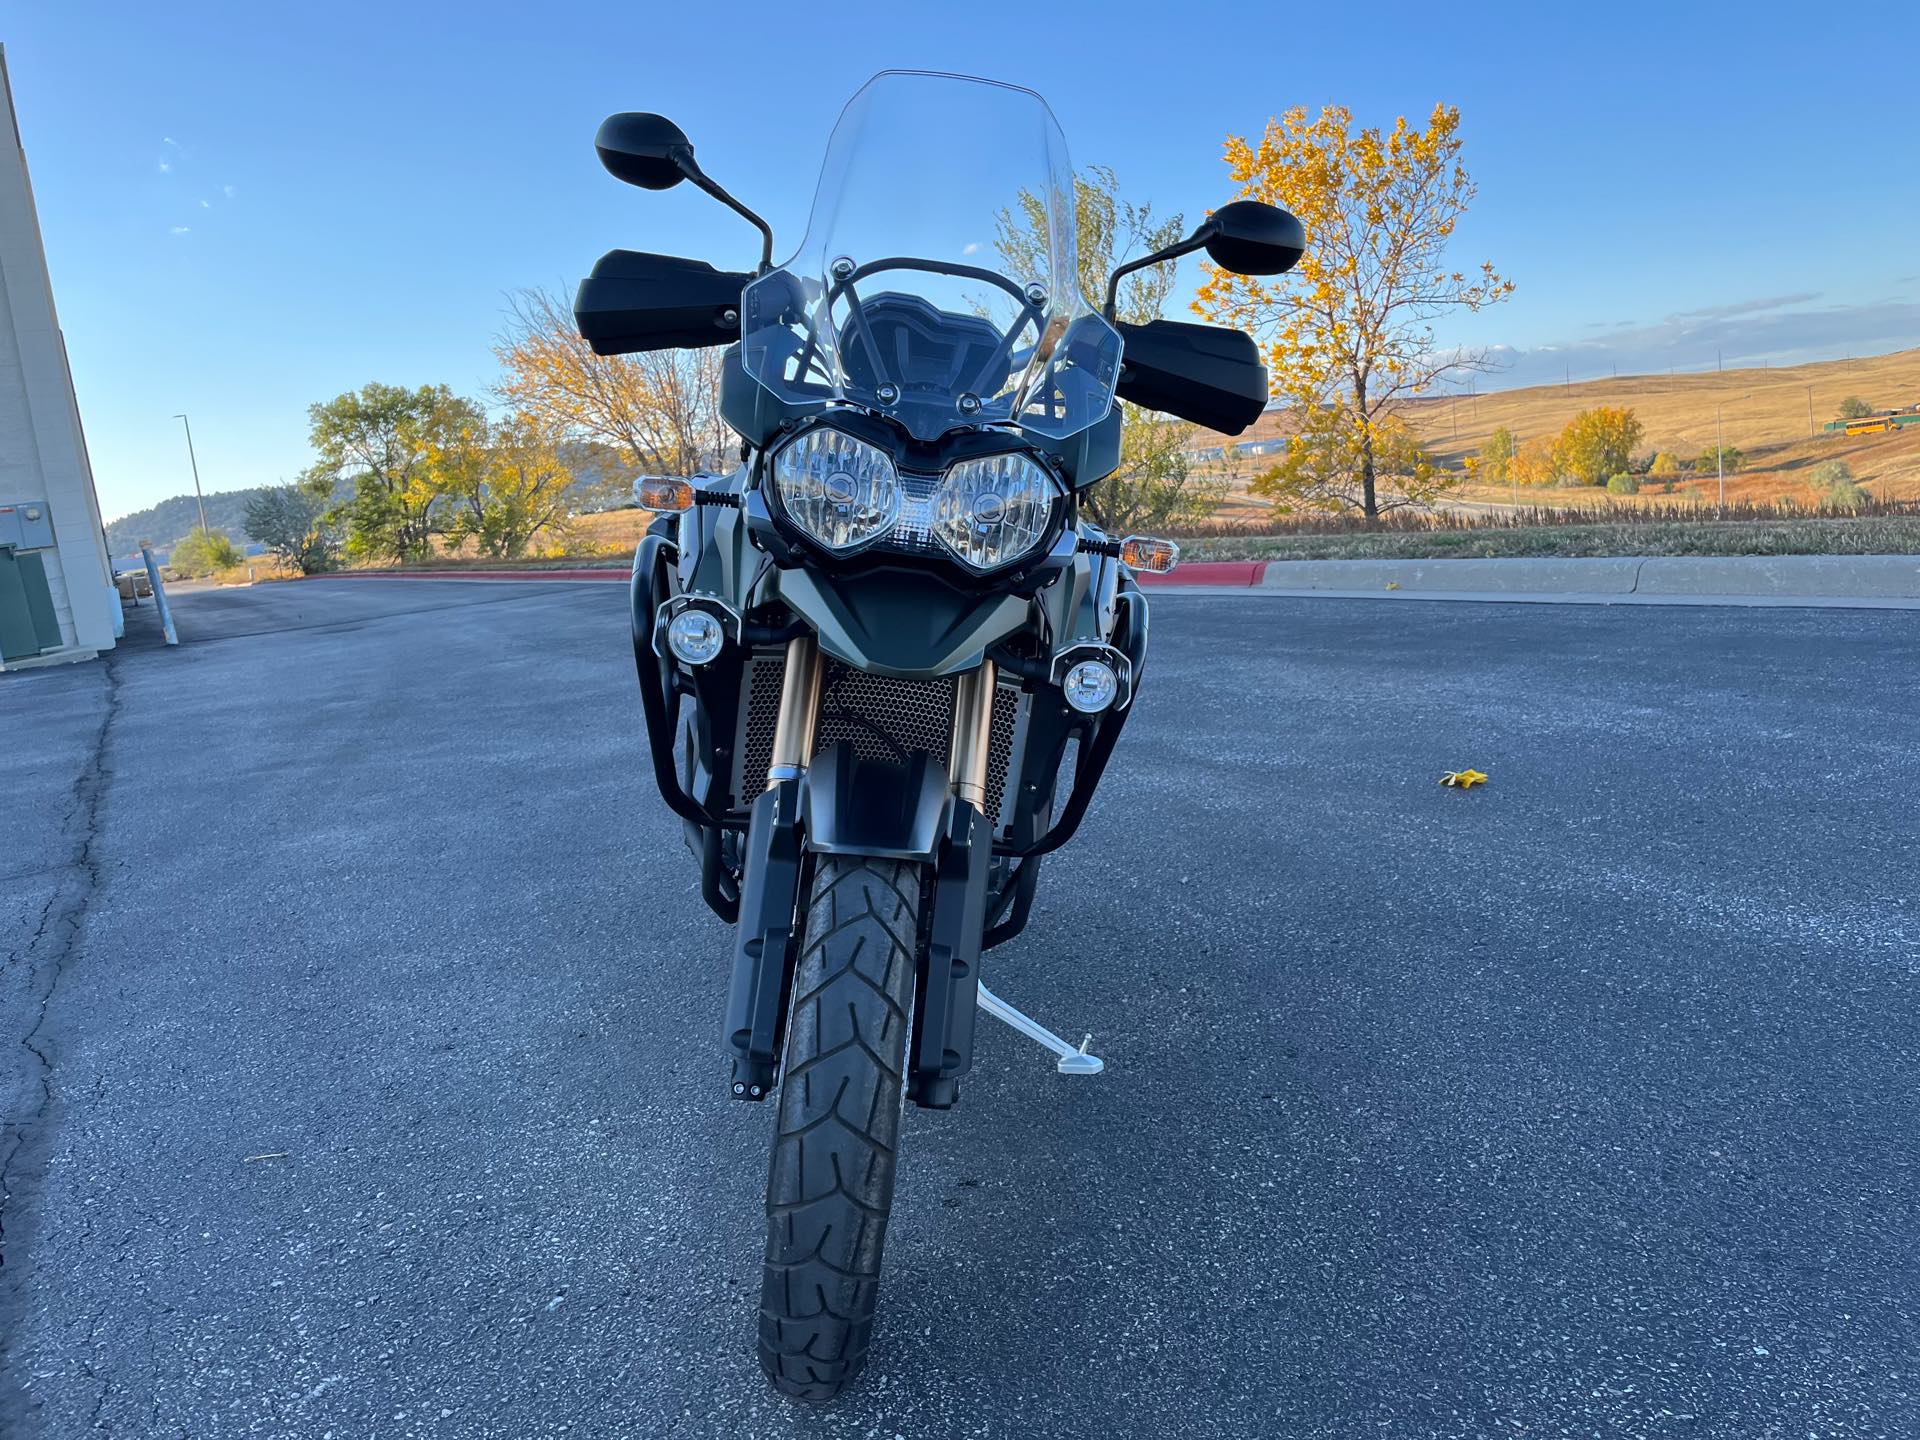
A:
<point x="1071" y="1062"/>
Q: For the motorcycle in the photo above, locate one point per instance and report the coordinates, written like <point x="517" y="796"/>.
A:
<point x="885" y="661"/>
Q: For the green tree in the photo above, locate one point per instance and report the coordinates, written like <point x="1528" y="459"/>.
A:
<point x="1854" y="408"/>
<point x="1496" y="456"/>
<point x="291" y="521"/>
<point x="203" y="552"/>
<point x="1711" y="458"/>
<point x="1623" y="484"/>
<point x="1157" y="483"/>
<point x="1597" y="443"/>
<point x="379" y="443"/>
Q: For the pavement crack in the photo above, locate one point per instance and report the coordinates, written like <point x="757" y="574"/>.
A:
<point x="33" y="971"/>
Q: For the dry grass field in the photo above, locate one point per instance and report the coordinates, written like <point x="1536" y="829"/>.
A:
<point x="1764" y="413"/>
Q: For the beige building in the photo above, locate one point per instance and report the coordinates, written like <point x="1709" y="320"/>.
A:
<point x="57" y="597"/>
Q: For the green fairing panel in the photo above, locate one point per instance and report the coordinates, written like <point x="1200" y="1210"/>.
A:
<point x="717" y="557"/>
<point x="1079" y="607"/>
<point x="891" y="623"/>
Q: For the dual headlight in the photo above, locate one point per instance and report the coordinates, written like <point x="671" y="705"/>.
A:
<point x="845" y="494"/>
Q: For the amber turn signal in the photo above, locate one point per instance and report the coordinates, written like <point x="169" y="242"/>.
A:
<point x="1142" y="552"/>
<point x="664" y="493"/>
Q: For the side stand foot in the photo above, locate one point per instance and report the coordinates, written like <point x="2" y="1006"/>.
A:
<point x="1071" y="1061"/>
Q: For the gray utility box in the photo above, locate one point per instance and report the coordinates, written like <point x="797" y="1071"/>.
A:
<point x="26" y="525"/>
<point x="28" y="622"/>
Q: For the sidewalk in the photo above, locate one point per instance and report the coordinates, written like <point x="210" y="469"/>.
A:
<point x="1859" y="581"/>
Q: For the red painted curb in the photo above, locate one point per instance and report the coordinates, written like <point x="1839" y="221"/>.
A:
<point x="1237" y="574"/>
<point x="1230" y="574"/>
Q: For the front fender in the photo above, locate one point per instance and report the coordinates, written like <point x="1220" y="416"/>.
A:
<point x="851" y="806"/>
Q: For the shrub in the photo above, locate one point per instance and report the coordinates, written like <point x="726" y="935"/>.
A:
<point x="203" y="552"/>
<point x="1828" y="474"/>
<point x="290" y="520"/>
<point x="1710" y="458"/>
<point x="1623" y="484"/>
<point x="1854" y="408"/>
<point x="1844" y="496"/>
<point x="1664" y="465"/>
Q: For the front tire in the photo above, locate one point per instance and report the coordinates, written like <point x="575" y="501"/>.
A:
<point x="830" y="1186"/>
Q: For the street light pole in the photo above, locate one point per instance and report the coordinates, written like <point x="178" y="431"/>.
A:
<point x="199" y="499"/>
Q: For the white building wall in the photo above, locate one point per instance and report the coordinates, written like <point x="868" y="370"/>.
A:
<point x="43" y="451"/>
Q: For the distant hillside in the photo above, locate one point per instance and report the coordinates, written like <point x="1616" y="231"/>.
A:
<point x="165" y="525"/>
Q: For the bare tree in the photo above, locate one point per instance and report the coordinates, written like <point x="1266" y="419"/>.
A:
<point x="661" y="409"/>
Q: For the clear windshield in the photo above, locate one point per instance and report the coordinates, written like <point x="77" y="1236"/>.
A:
<point x="938" y="281"/>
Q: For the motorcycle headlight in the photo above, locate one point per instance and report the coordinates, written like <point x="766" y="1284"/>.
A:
<point x="841" y="491"/>
<point x="991" y="511"/>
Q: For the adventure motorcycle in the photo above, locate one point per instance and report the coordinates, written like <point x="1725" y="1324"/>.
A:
<point x="867" y="652"/>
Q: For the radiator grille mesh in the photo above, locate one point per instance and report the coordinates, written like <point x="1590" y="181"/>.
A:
<point x="759" y="707"/>
<point x="886" y="719"/>
<point x="883" y="718"/>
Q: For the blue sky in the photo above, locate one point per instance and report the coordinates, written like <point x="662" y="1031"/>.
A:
<point x="250" y="207"/>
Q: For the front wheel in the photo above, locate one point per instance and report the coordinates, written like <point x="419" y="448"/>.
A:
<point x="830" y="1185"/>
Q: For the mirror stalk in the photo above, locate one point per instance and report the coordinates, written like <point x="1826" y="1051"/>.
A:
<point x="683" y="161"/>
<point x="1242" y="237"/>
<point x="1172" y="252"/>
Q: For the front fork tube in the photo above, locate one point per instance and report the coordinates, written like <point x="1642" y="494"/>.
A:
<point x="767" y="938"/>
<point x="772" y="865"/>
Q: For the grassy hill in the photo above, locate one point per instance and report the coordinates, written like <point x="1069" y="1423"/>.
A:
<point x="1764" y="413"/>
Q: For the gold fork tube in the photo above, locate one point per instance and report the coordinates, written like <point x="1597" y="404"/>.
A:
<point x="793" y="727"/>
<point x="972" y="733"/>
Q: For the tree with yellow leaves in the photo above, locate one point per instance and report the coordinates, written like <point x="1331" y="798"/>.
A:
<point x="1533" y="464"/>
<point x="1349" y="333"/>
<point x="509" y="488"/>
<point x="660" y="409"/>
<point x="1324" y="465"/>
<point x="1598" y="444"/>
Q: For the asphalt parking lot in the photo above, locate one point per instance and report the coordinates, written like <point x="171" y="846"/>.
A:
<point x="363" y="1077"/>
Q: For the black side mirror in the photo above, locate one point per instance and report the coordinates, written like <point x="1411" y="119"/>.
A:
<point x="654" y="153"/>
<point x="1249" y="238"/>
<point x="644" y="150"/>
<point x="1245" y="237"/>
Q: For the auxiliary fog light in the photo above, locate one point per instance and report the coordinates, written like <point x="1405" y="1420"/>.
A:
<point x="695" y="636"/>
<point x="1090" y="686"/>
